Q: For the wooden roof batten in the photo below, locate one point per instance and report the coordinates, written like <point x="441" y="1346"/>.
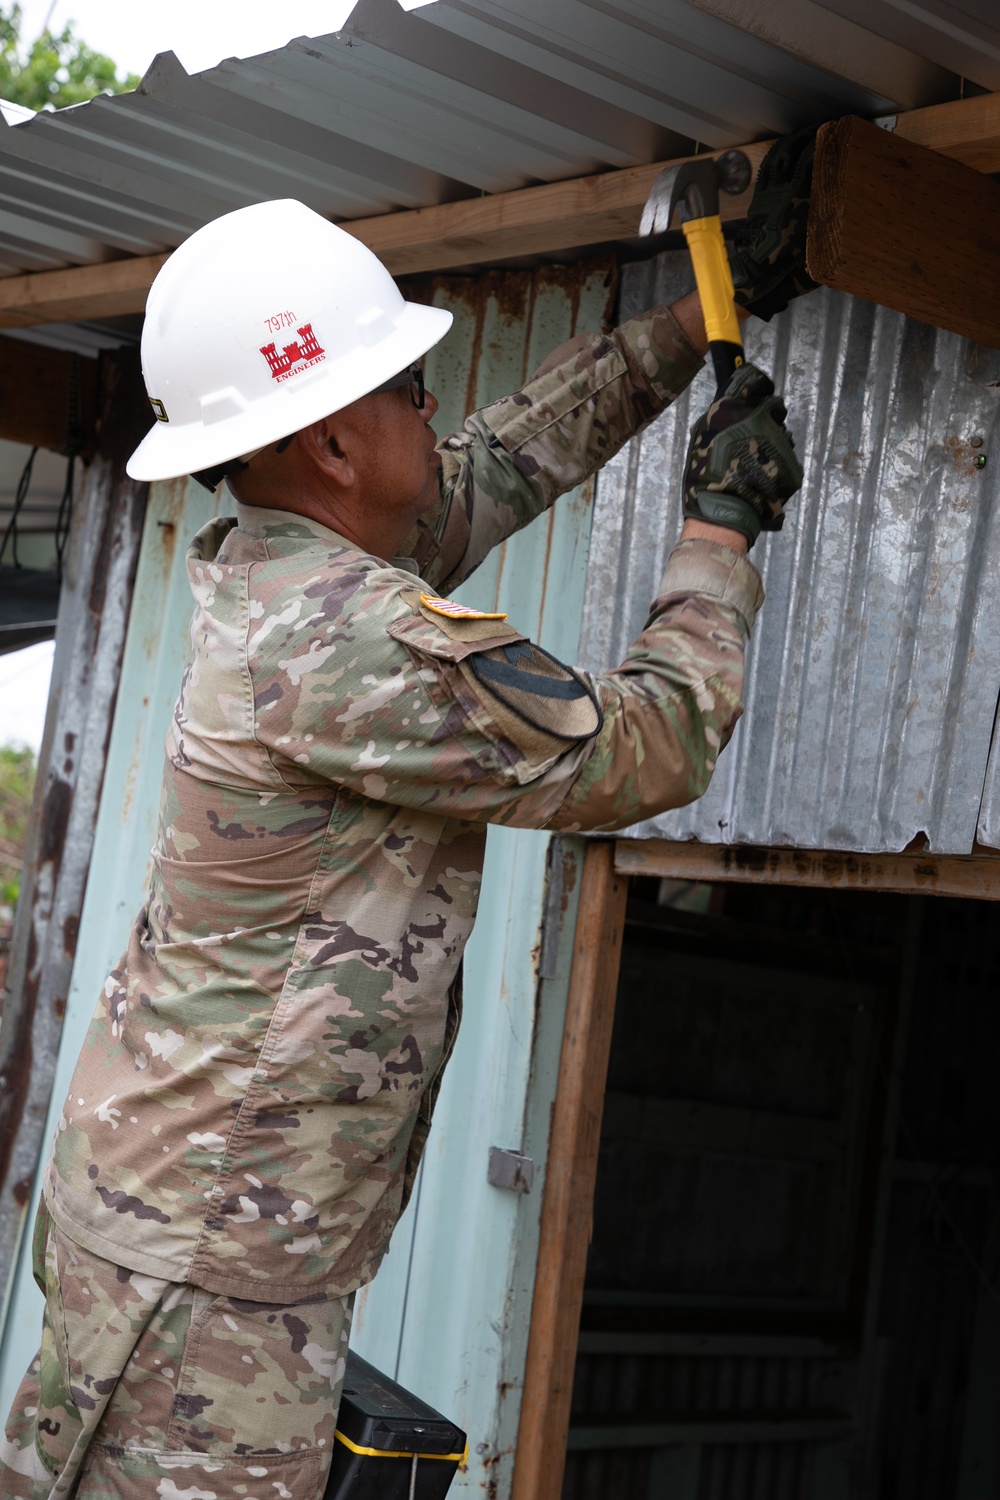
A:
<point x="556" y="217"/>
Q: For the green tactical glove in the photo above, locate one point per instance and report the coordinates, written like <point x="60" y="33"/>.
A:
<point x="741" y="465"/>
<point x="768" y="255"/>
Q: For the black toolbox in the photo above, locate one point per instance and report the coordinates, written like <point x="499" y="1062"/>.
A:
<point x="389" y="1445"/>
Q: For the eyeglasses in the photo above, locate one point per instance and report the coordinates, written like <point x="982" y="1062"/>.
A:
<point x="413" y="377"/>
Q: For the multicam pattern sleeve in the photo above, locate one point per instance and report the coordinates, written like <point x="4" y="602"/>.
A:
<point x="256" y="1087"/>
<point x="410" y="723"/>
<point x="515" y="457"/>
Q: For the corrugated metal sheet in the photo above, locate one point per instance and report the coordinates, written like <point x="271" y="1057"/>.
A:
<point x="685" y="66"/>
<point x="875" y="668"/>
<point x="93" y="617"/>
<point x="458" y="98"/>
<point x="965" y="37"/>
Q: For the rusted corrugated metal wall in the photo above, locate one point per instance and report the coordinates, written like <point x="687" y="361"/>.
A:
<point x="93" y="617"/>
<point x="874" y="671"/>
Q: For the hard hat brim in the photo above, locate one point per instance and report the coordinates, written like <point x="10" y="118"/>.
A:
<point x="169" y="452"/>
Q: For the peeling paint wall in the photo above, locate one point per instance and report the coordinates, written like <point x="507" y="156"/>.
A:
<point x="115" y="869"/>
<point x="93" y="616"/>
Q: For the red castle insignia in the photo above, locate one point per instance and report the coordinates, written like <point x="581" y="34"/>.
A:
<point x="298" y="355"/>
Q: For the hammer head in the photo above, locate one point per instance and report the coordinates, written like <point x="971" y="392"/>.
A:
<point x="693" y="187"/>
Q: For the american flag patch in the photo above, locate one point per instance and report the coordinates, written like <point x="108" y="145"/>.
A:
<point x="455" y="611"/>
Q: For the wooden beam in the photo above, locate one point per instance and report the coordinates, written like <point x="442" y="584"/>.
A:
<point x="531" y="221"/>
<point x="102" y="291"/>
<point x="974" y="876"/>
<point x="570" y="1173"/>
<point x="34" y="395"/>
<point x="903" y="226"/>
<point x="477" y="231"/>
<point x="967" y="130"/>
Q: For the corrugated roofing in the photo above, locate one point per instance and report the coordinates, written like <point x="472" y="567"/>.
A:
<point x="460" y="97"/>
<point x="965" y="37"/>
<point x="874" y="670"/>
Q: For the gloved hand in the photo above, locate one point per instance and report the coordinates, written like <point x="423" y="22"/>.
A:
<point x="741" y="464"/>
<point x="768" y="255"/>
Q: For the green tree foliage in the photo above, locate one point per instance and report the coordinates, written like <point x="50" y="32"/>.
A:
<point x="17" y="785"/>
<point x="54" y="70"/>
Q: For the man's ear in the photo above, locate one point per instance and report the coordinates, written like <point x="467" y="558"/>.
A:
<point x="327" y="447"/>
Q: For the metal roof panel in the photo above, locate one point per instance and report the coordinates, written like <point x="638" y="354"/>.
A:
<point x="460" y="97"/>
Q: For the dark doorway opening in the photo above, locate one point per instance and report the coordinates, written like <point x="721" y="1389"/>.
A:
<point x="790" y="1289"/>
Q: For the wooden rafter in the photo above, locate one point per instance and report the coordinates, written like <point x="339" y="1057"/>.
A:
<point x="531" y="221"/>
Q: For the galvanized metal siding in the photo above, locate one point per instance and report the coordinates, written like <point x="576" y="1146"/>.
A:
<point x="874" y="670"/>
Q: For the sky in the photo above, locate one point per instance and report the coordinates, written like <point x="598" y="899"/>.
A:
<point x="24" y="690"/>
<point x="201" y="32"/>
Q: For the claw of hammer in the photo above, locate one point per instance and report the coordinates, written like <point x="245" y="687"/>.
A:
<point x="692" y="188"/>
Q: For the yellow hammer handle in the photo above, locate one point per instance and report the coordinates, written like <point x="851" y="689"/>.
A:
<point x="713" y="278"/>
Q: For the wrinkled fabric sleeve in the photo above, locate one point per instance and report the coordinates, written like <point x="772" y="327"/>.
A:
<point x="515" y="457"/>
<point x="420" y="734"/>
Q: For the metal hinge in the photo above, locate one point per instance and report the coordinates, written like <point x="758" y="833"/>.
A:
<point x="510" y="1170"/>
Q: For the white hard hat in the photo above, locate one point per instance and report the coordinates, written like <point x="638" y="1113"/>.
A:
<point x="263" y="321"/>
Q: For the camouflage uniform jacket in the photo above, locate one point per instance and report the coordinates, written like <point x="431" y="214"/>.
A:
<point x="255" y="1089"/>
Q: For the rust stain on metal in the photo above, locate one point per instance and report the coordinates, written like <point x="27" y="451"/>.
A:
<point x="570" y="871"/>
<point x="108" y="517"/>
<point x="56" y="808"/>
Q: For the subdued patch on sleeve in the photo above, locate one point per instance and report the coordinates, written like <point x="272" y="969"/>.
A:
<point x="538" y="689"/>
<point x="537" y="703"/>
<point x="701" y="567"/>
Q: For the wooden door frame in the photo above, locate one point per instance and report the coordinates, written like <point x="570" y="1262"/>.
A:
<point x="570" y="1175"/>
<point x="571" y="1170"/>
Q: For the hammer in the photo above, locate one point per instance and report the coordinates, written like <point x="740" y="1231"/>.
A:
<point x="692" y="188"/>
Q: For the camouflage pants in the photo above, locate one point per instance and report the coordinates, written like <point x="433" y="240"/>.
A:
<point x="145" y="1389"/>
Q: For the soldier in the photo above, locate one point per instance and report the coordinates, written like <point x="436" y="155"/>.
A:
<point x="252" y="1099"/>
